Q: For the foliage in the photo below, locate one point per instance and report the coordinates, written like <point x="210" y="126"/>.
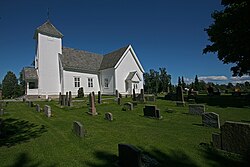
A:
<point x="21" y="84"/>
<point x="196" y="83"/>
<point x="230" y="35"/>
<point x="10" y="85"/>
<point x="156" y="82"/>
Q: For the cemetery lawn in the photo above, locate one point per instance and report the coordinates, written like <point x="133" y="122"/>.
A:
<point x="178" y="139"/>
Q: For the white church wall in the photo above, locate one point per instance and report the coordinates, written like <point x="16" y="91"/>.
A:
<point x="107" y="75"/>
<point x="69" y="82"/>
<point x="127" y="65"/>
<point x="48" y="49"/>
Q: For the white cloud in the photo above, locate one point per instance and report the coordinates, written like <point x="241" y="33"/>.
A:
<point x="213" y="78"/>
<point x="242" y="79"/>
<point x="188" y="80"/>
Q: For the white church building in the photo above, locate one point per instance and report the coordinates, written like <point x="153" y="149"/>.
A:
<point x="61" y="69"/>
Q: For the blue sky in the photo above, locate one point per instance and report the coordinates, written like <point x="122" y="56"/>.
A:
<point x="163" y="33"/>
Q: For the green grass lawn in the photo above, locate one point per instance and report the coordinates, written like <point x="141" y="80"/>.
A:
<point x="178" y="139"/>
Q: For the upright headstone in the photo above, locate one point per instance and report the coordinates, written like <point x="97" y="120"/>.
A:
<point x="109" y="116"/>
<point x="78" y="129"/>
<point x="66" y="99"/>
<point x="38" y="109"/>
<point x="70" y="99"/>
<point x="30" y="104"/>
<point x="180" y="98"/>
<point x="196" y="109"/>
<point x="63" y="100"/>
<point x="134" y="96"/>
<point x="47" y="111"/>
<point x="129" y="156"/>
<point x="128" y="106"/>
<point x="119" y="101"/>
<point x="211" y="119"/>
<point x="142" y="96"/>
<point x="92" y="109"/>
<point x="99" y="97"/>
<point x="60" y="98"/>
<point x="152" y="111"/>
<point x="93" y="93"/>
<point x="116" y="93"/>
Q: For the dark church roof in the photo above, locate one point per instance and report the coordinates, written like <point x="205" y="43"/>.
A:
<point x="48" y="29"/>
<point x="83" y="61"/>
<point x="29" y="73"/>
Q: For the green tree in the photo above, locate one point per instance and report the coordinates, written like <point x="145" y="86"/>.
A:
<point x="179" y="81"/>
<point x="230" y="35"/>
<point x="10" y="85"/>
<point x="196" y="83"/>
<point x="183" y="84"/>
<point x="21" y="84"/>
<point x="164" y="80"/>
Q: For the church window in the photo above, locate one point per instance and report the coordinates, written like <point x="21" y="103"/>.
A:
<point x="106" y="83"/>
<point x="90" y="82"/>
<point x="77" y="82"/>
<point x="135" y="86"/>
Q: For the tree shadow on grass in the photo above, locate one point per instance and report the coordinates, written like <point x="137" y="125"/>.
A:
<point x="15" y="131"/>
<point x="218" y="158"/>
<point x="24" y="160"/>
<point x="108" y="160"/>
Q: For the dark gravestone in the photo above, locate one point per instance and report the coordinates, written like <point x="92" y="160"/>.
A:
<point x="196" y="109"/>
<point x="151" y="111"/>
<point x="129" y="156"/>
<point x="134" y="96"/>
<point x="60" y="98"/>
<point x="235" y="137"/>
<point x="30" y="103"/>
<point x="179" y="92"/>
<point x="116" y="93"/>
<point x="210" y="119"/>
<point x="93" y="93"/>
<point x="119" y="101"/>
<point x="38" y="109"/>
<point x="142" y="97"/>
<point x="109" y="116"/>
<point x="150" y="98"/>
<point x="63" y="100"/>
<point x="78" y="129"/>
<point x="128" y="106"/>
<point x="99" y="98"/>
<point x="70" y="99"/>
<point x="66" y="99"/>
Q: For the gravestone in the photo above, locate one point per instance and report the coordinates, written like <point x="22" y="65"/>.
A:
<point x="99" y="98"/>
<point x="92" y="109"/>
<point x="93" y="93"/>
<point x="30" y="103"/>
<point x="70" y="99"/>
<point x="47" y="110"/>
<point x="63" y="100"/>
<point x="151" y="111"/>
<point x="142" y="97"/>
<point x="60" y="98"/>
<point x="128" y="106"/>
<point x="116" y="93"/>
<point x="119" y="101"/>
<point x="180" y="98"/>
<point x="78" y="129"/>
<point x="210" y="119"/>
<point x="196" y="109"/>
<point x="129" y="156"/>
<point x="235" y="137"/>
<point x="1" y="112"/>
<point x="109" y="116"/>
<point x="38" y="109"/>
<point x="66" y="99"/>
<point x="134" y="96"/>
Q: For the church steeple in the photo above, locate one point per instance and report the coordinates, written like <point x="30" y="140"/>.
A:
<point x="48" y="29"/>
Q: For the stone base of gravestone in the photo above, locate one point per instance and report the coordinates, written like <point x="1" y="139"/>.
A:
<point x="109" y="116"/>
<point x="216" y="140"/>
<point x="196" y="109"/>
<point x="38" y="109"/>
<point x="210" y="119"/>
<point x="78" y="129"/>
<point x="128" y="106"/>
<point x="129" y="156"/>
<point x="180" y="104"/>
<point x="152" y="111"/>
<point x="235" y="137"/>
<point x="47" y="110"/>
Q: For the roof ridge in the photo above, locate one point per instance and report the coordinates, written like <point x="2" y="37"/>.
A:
<point x="79" y="50"/>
